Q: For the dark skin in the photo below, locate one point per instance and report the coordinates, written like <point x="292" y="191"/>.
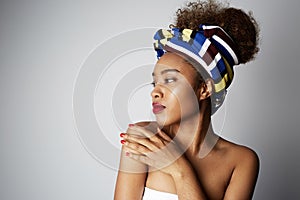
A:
<point x="202" y="167"/>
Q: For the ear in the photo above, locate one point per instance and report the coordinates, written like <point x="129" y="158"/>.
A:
<point x="206" y="89"/>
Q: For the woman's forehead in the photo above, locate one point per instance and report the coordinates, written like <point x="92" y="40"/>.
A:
<point x="173" y="62"/>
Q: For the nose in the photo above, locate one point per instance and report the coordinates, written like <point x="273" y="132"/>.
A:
<point x="157" y="93"/>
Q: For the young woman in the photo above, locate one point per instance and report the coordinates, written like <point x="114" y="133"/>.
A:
<point x="179" y="156"/>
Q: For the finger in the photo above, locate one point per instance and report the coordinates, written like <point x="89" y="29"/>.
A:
<point x="160" y="139"/>
<point x="134" y="132"/>
<point x="154" y="137"/>
<point x="126" y="150"/>
<point x="139" y="130"/>
<point x="143" y="141"/>
<point x="151" y="134"/>
<point x="137" y="148"/>
<point x="163" y="135"/>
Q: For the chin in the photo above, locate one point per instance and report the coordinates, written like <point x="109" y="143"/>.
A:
<point x="160" y="121"/>
<point x="163" y="120"/>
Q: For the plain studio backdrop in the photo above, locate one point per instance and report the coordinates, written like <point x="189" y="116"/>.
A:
<point x="43" y="48"/>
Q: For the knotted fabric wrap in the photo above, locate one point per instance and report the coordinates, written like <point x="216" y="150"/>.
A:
<point x="210" y="46"/>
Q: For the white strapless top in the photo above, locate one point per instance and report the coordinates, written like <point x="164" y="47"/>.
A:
<point x="150" y="194"/>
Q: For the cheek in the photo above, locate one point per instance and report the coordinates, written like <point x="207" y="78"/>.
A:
<point x="184" y="100"/>
<point x="181" y="103"/>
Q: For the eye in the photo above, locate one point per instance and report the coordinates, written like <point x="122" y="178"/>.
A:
<point x="170" y="80"/>
<point x="166" y="81"/>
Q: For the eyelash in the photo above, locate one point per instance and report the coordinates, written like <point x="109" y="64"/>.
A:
<point x="165" y="81"/>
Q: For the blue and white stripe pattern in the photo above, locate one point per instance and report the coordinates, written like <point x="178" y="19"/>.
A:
<point x="210" y="46"/>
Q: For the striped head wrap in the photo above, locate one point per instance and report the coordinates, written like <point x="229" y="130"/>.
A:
<point x="210" y="46"/>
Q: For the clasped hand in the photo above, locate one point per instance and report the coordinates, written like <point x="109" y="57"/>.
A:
<point x="157" y="150"/>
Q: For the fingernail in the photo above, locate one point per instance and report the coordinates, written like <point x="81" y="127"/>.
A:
<point x="122" y="141"/>
<point x="130" y="125"/>
<point x="122" y="134"/>
<point x="127" y="154"/>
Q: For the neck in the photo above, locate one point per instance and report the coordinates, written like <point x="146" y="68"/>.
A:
<point x="195" y="135"/>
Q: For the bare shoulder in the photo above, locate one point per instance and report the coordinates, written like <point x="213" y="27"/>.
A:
<point x="240" y="154"/>
<point x="245" y="163"/>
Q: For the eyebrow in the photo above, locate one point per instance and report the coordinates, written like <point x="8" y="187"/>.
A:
<point x="167" y="70"/>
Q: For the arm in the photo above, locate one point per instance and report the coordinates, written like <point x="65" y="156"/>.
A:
<point x="131" y="178"/>
<point x="129" y="184"/>
<point x="186" y="182"/>
<point x="160" y="152"/>
<point x="244" y="176"/>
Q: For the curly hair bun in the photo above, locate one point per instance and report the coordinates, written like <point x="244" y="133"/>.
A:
<point x="240" y="26"/>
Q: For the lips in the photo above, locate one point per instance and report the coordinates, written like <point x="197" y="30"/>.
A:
<point x="157" y="107"/>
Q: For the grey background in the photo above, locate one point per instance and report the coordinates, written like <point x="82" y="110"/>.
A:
<point x="44" y="43"/>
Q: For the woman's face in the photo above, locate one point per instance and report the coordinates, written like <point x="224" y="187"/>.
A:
<point x="174" y="95"/>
